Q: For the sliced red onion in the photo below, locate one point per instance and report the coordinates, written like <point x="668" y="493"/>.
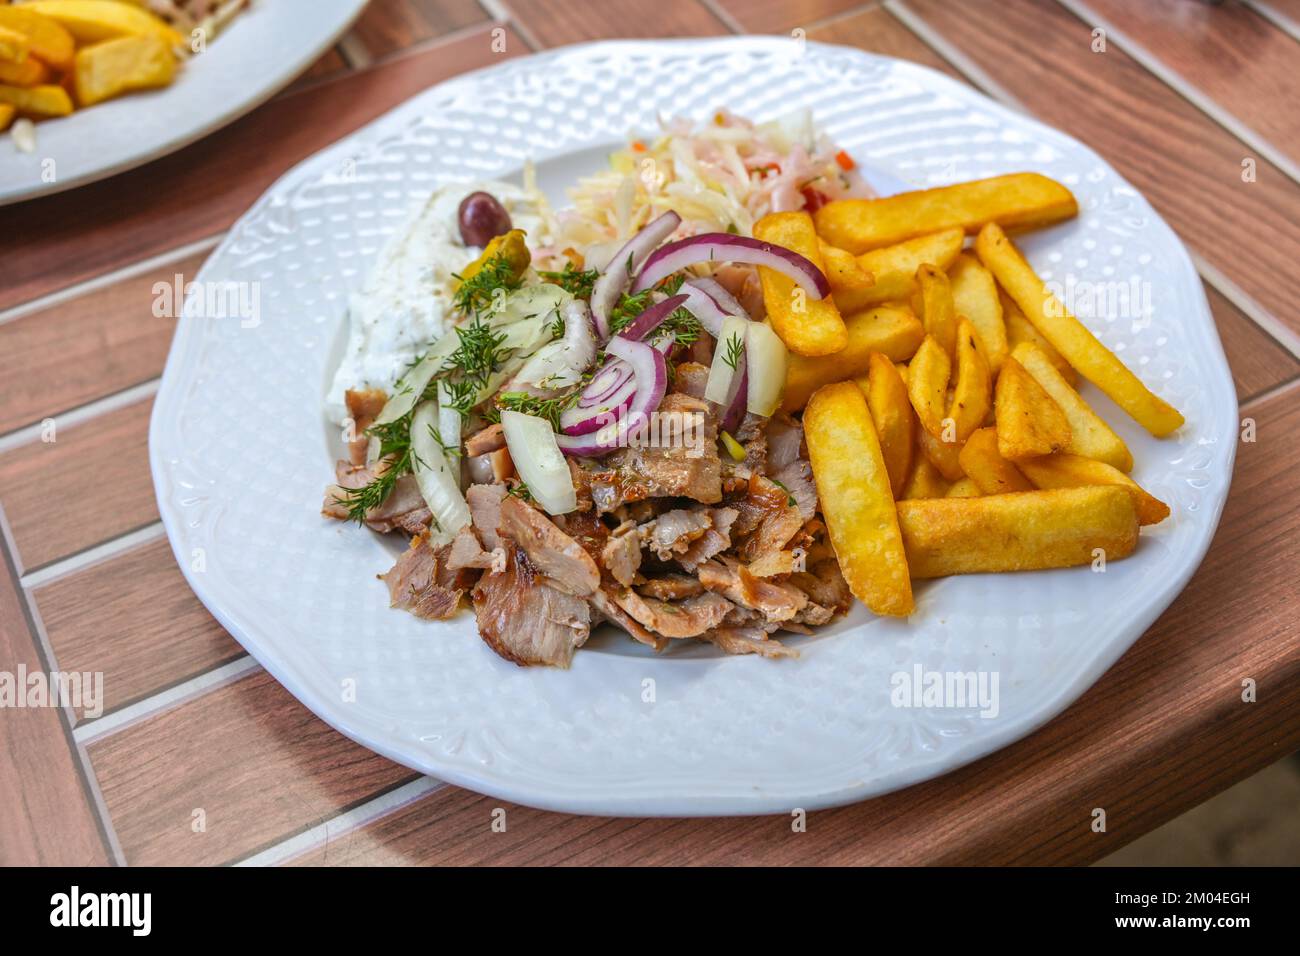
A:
<point x="618" y="272"/>
<point x="649" y="320"/>
<point x="724" y="247"/>
<point x="716" y="291"/>
<point x="584" y="419"/>
<point x="738" y="397"/>
<point x="702" y="305"/>
<point x="651" y="383"/>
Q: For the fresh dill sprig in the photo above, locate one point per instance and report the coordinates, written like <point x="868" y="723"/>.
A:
<point x="547" y="408"/>
<point x="395" y="448"/>
<point x="577" y="281"/>
<point x="519" y="490"/>
<point x="478" y="353"/>
<point x="477" y="293"/>
<point x="735" y="349"/>
<point x="627" y="309"/>
<point x="448" y="450"/>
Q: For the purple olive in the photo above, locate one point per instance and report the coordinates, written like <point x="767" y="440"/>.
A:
<point x="482" y="219"/>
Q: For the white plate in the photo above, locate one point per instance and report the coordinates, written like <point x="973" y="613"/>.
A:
<point x="261" y="51"/>
<point x="240" y="454"/>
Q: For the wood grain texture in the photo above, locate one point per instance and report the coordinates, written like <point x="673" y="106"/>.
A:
<point x="1163" y="730"/>
<point x="330" y="64"/>
<point x="1233" y="55"/>
<point x="556" y="22"/>
<point x="876" y="31"/>
<point x="781" y="16"/>
<point x="46" y="818"/>
<point x="1189" y="167"/>
<point x="76" y="351"/>
<point x="388" y="26"/>
<point x="259" y="765"/>
<point x="50" y="243"/>
<point x="91" y="484"/>
<point x="135" y="619"/>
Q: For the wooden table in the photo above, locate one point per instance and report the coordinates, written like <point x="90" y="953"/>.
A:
<point x="200" y="757"/>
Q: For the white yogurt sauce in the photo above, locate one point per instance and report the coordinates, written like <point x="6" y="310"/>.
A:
<point x="406" y="303"/>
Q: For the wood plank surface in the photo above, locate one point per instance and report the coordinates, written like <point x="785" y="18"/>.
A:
<point x="1142" y="755"/>
<point x="258" y="765"/>
<point x="782" y="16"/>
<point x="135" y="619"/>
<point x="53" y="242"/>
<point x="90" y="484"/>
<point x="557" y="22"/>
<point x="1189" y="167"/>
<point x="387" y="28"/>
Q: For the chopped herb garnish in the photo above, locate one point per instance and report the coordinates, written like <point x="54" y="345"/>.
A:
<point x="735" y="349"/>
<point x="577" y="281"/>
<point x="528" y="404"/>
<point x="477" y="293"/>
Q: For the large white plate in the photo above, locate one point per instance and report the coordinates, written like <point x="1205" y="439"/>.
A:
<point x="240" y="453"/>
<point x="262" y="50"/>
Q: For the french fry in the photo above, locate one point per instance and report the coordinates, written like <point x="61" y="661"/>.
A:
<point x="1032" y="530"/>
<point x="1074" y="471"/>
<point x="14" y="46"/>
<point x="30" y="72"/>
<point x="1020" y="329"/>
<point x="108" y="69"/>
<point x="1029" y="422"/>
<point x="964" y="488"/>
<point x="1089" y="435"/>
<point x="980" y="460"/>
<point x="843" y="270"/>
<point x="936" y="312"/>
<point x="973" y="392"/>
<point x="975" y="295"/>
<point x="894" y="332"/>
<point x="6" y="116"/>
<point x="927" y="384"/>
<point x="924" y="481"/>
<point x="853" y="486"/>
<point x="807" y="326"/>
<point x="47" y="40"/>
<point x="891" y="412"/>
<point x="90" y="21"/>
<point x="1017" y="201"/>
<point x="943" y="455"/>
<point x="37" y="101"/>
<point x="894" y="269"/>
<point x="1068" y="335"/>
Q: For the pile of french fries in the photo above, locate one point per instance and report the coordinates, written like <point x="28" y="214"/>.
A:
<point x="938" y="390"/>
<point x="60" y="55"/>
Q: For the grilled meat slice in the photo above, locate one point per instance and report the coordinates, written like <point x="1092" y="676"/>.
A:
<point x="673" y="532"/>
<point x="364" y="406"/>
<point x="485" y="512"/>
<point x="691" y="379"/>
<point x="549" y="550"/>
<point x="418" y="584"/>
<point x="678" y="458"/>
<point x="713" y="542"/>
<point x="747" y="640"/>
<point x="525" y="619"/>
<point x="688" y="618"/>
<point x="466" y="551"/>
<point x="774" y="600"/>
<point x="404" y="507"/>
<point x="825" y="584"/>
<point x="670" y="587"/>
<point x="621" y="554"/>
<point x="605" y="606"/>
<point x="768" y="519"/>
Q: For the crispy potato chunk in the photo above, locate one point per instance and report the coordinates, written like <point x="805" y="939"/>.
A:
<point x="853" y="486"/>
<point x="1029" y="422"/>
<point x="1068" y="335"/>
<point x="1017" y="201"/>
<point x="30" y="72"/>
<point x="927" y="384"/>
<point x="91" y="21"/>
<point x="964" y="488"/>
<point x="894" y="269"/>
<point x="973" y="391"/>
<point x="1017" y="532"/>
<point x="892" y="331"/>
<point x="975" y="296"/>
<point x="891" y="412"/>
<point x="113" y="67"/>
<point x="807" y="326"/>
<point x="1074" y="471"/>
<point x="37" y="102"/>
<point x="1020" y="329"/>
<point x="843" y="271"/>
<point x="937" y="313"/>
<point x="6" y="116"/>
<point x="925" y="480"/>
<point x="943" y="455"/>
<point x="980" y="460"/>
<point x="46" y="39"/>
<point x="14" y="46"/>
<point x="1089" y="435"/>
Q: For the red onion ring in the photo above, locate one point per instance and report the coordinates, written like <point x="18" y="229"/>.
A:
<point x="724" y="247"/>
<point x="716" y="291"/>
<point x="618" y="272"/>
<point x="650" y="383"/>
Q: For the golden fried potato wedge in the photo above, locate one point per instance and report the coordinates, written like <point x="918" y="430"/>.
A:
<point x="46" y="39"/>
<point x="38" y="102"/>
<point x="6" y="116"/>
<point x="927" y="384"/>
<point x="90" y="21"/>
<point x="894" y="269"/>
<point x="807" y="326"/>
<point x="945" y="456"/>
<point x="975" y="295"/>
<point x="1029" y="422"/>
<point x="108" y="69"/>
<point x="1020" y="329"/>
<point x="843" y="270"/>
<point x="1068" y="335"/>
<point x="1090" y="436"/>
<point x="890" y="330"/>
<point x="891" y="412"/>
<point x="30" y="72"/>
<point x="1017" y="201"/>
<point x="925" y="480"/>
<point x="964" y="488"/>
<point x="14" y="46"/>
<point x="973" y="392"/>
<point x="1074" y="471"/>
<point x="853" y="486"/>
<point x="936" y="310"/>
<point x="1032" y="530"/>
<point x="980" y="460"/>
